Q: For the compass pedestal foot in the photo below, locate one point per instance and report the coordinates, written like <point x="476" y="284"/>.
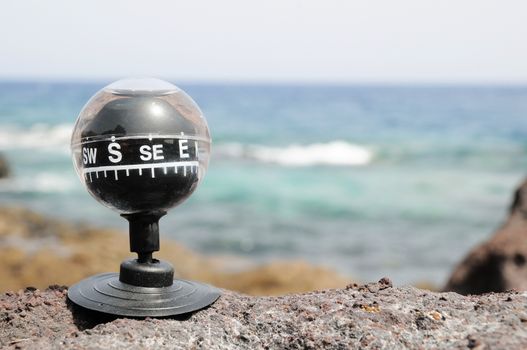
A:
<point x="106" y="293"/>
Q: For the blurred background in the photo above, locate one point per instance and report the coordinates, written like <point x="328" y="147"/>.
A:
<point x="373" y="138"/>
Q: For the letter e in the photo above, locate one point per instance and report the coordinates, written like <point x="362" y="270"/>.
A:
<point x="158" y="152"/>
<point x="183" y="147"/>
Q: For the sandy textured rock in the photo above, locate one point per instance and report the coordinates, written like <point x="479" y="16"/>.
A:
<point x="498" y="264"/>
<point x="373" y="316"/>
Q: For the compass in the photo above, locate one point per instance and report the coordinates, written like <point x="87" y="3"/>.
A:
<point x="141" y="147"/>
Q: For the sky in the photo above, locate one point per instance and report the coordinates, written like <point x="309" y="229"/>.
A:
<point x="373" y="41"/>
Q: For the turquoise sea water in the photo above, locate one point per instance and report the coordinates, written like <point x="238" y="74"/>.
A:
<point x="373" y="181"/>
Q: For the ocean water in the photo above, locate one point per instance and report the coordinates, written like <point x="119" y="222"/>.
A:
<point x="373" y="181"/>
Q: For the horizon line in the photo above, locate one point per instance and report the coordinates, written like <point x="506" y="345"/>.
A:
<point x="269" y="82"/>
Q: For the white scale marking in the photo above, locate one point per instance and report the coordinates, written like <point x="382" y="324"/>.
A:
<point x="193" y="164"/>
<point x="138" y="137"/>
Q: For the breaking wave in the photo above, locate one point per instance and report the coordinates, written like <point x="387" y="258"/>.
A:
<point x="37" y="136"/>
<point x="338" y="153"/>
<point x="45" y="182"/>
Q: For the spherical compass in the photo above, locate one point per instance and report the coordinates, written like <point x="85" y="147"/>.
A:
<point x="141" y="147"/>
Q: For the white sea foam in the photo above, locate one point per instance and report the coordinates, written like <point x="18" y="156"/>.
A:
<point x="45" y="182"/>
<point x="38" y="136"/>
<point x="338" y="153"/>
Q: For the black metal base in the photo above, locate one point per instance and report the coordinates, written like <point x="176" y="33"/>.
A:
<point x="105" y="293"/>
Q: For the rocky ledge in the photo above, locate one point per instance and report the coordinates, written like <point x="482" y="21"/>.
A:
<point x="371" y="316"/>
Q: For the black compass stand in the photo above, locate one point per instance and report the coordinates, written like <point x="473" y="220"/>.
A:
<point x="144" y="286"/>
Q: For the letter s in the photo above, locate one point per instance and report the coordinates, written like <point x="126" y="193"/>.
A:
<point x="115" y="156"/>
<point x="146" y="154"/>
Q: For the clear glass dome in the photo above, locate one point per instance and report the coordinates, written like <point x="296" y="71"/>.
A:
<point x="141" y="145"/>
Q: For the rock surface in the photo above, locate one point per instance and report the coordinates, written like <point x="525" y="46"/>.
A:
<point x="372" y="316"/>
<point x="498" y="264"/>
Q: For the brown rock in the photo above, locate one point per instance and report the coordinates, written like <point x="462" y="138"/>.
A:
<point x="374" y="316"/>
<point x="500" y="263"/>
<point x="38" y="251"/>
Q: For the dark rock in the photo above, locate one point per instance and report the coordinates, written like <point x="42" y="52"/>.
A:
<point x="371" y="317"/>
<point x="498" y="264"/>
<point x="386" y="282"/>
<point x="4" y="167"/>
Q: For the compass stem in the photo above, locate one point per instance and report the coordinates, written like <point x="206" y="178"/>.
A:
<point x="144" y="258"/>
<point x="144" y="233"/>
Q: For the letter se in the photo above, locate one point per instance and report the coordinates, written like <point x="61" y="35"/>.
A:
<point x="148" y="153"/>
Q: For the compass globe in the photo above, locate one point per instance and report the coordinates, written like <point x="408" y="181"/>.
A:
<point x="141" y="147"/>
